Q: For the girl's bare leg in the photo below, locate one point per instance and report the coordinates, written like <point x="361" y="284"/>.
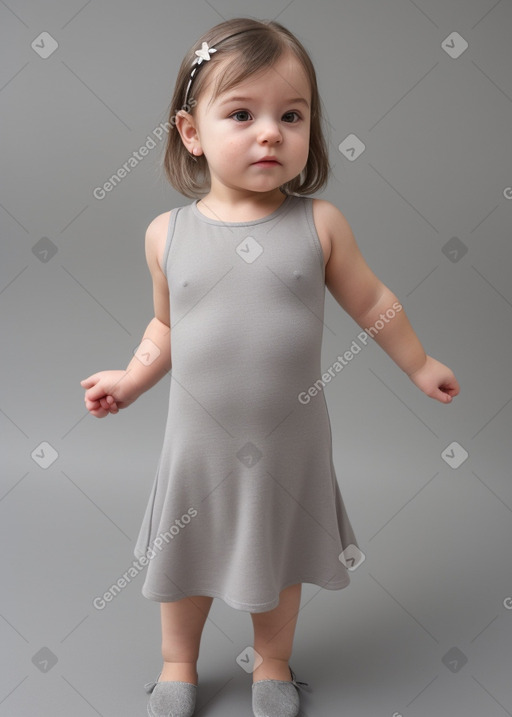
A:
<point x="182" y="627"/>
<point x="273" y="635"/>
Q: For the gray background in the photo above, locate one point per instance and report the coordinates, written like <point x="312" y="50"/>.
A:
<point x="435" y="587"/>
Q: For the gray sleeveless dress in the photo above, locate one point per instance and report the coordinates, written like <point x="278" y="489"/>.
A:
<point x="245" y="501"/>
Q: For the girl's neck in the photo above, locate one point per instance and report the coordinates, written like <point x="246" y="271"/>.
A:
<point x="240" y="210"/>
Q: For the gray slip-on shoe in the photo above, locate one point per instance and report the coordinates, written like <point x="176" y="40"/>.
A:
<point x="171" y="699"/>
<point x="277" y="698"/>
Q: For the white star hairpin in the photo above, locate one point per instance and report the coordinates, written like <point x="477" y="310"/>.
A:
<point x="202" y="55"/>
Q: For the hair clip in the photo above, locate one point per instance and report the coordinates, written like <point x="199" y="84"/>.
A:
<point x="202" y="55"/>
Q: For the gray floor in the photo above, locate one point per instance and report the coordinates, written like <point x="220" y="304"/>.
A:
<point x="425" y="626"/>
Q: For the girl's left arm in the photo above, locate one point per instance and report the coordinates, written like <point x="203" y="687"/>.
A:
<point x="376" y="309"/>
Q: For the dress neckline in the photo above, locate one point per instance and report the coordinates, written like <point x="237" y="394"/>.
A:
<point x="266" y="218"/>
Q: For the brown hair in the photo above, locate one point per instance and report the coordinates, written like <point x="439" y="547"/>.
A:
<point x="254" y="45"/>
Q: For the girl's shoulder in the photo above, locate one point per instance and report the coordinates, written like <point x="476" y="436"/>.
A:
<point x="331" y="224"/>
<point x="156" y="236"/>
<point x="328" y="220"/>
<point x="326" y="215"/>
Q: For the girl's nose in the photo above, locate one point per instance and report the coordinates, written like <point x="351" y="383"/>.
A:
<point x="269" y="131"/>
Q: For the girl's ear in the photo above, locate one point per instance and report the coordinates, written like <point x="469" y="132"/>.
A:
<point x="186" y="126"/>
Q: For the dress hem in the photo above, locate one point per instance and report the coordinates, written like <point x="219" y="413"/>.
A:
<point x="260" y="607"/>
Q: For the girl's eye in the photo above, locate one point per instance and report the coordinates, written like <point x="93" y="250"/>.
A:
<point x="292" y="113"/>
<point x="292" y="116"/>
<point x="241" y="112"/>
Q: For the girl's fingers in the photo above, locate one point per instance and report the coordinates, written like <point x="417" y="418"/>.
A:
<point x="450" y="385"/>
<point x="88" y="382"/>
<point x="96" y="392"/>
<point x="112" y="404"/>
<point x="108" y="404"/>
<point x="451" y="389"/>
<point x="101" y="407"/>
<point x="442" y="395"/>
<point x="99" y="412"/>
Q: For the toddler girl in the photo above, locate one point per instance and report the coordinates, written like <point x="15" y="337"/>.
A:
<point x="245" y="505"/>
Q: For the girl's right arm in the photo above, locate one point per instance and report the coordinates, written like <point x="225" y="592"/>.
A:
<point x="108" y="391"/>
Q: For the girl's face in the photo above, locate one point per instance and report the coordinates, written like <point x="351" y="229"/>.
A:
<point x="267" y="115"/>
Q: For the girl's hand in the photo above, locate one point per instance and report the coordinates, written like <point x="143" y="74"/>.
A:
<point x="108" y="391"/>
<point x="436" y="380"/>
